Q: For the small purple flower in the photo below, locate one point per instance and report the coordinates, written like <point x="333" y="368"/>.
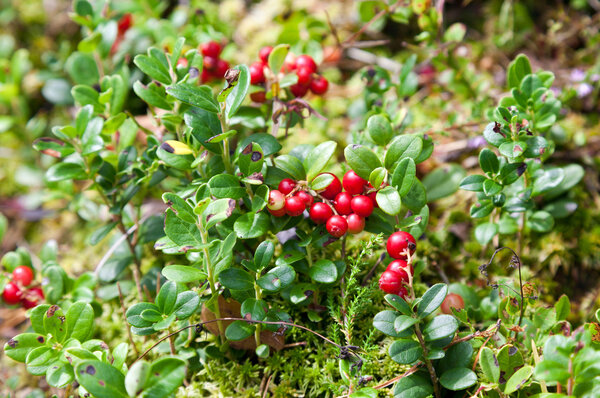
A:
<point x="577" y="75"/>
<point x="595" y="77"/>
<point x="476" y="142"/>
<point x="584" y="89"/>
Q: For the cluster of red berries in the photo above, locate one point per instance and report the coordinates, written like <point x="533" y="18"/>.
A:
<point x="213" y="66"/>
<point x="395" y="278"/>
<point x="304" y="66"/>
<point x="340" y="211"/>
<point x="17" y="291"/>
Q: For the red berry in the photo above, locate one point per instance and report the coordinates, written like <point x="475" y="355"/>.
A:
<point x="356" y="223"/>
<point x="257" y="74"/>
<point x="304" y="75"/>
<point x="276" y="200"/>
<point x="210" y="63"/>
<point x="124" y="23"/>
<point x="289" y="64"/>
<point x="320" y="212"/>
<point x="398" y="242"/>
<point x="182" y="62"/>
<point x="206" y="76"/>
<point x="222" y="67"/>
<point x="294" y="206"/>
<point x="400" y="267"/>
<point x="342" y="203"/>
<point x="392" y="283"/>
<point x="12" y="293"/>
<point x="336" y="226"/>
<point x="319" y="85"/>
<point x="334" y="187"/>
<point x="287" y="185"/>
<point x="278" y="213"/>
<point x="259" y="96"/>
<point x="305" y="197"/>
<point x="306" y="61"/>
<point x="362" y="205"/>
<point x="452" y="300"/>
<point x="353" y="183"/>
<point x="373" y="195"/>
<point x="22" y="274"/>
<point x="210" y="49"/>
<point x="264" y="53"/>
<point x="32" y="297"/>
<point x="299" y="90"/>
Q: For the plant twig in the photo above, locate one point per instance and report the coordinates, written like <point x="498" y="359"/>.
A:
<point x="369" y="275"/>
<point x="395" y="379"/>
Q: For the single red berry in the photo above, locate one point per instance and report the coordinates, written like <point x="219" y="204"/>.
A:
<point x="206" y="76"/>
<point x="342" y="203"/>
<point x="334" y="187"/>
<point x="319" y="85"/>
<point x="452" y="300"/>
<point x="210" y="63"/>
<point x="320" y="212"/>
<point x="362" y="205"/>
<point x="264" y="53"/>
<point x="294" y="206"/>
<point x="182" y="62"/>
<point x="259" y="96"/>
<point x="22" y="274"/>
<point x="306" y="61"/>
<point x="257" y="74"/>
<point x="222" y="67"/>
<point x="305" y="197"/>
<point x="12" y="293"/>
<point x="289" y="64"/>
<point x="299" y="90"/>
<point x="356" y="223"/>
<point x="391" y="282"/>
<point x="336" y="226"/>
<point x="398" y="242"/>
<point x="353" y="183"/>
<point x="210" y="49"/>
<point x="124" y="23"/>
<point x="373" y="195"/>
<point x="278" y="213"/>
<point x="287" y="185"/>
<point x="276" y="200"/>
<point x="32" y="297"/>
<point x="400" y="266"/>
<point x="304" y="75"/>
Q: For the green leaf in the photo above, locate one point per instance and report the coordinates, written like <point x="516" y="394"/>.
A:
<point x="548" y="180"/>
<point x="40" y="359"/>
<point x="166" y="298"/>
<point x="455" y="32"/>
<point x="277" y="57"/>
<point x="492" y="134"/>
<point x="552" y="371"/>
<point x="201" y="97"/>
<point x="362" y="160"/>
<point x="384" y="321"/>
<point x="167" y="375"/>
<point x="239" y="92"/>
<point x="136" y="377"/>
<point x="21" y="345"/>
<point x="416" y="198"/>
<point x="323" y="271"/>
<point x="489" y="365"/>
<point x="83" y="8"/>
<point x="473" y="183"/>
<point x="250" y="226"/>
<point x="100" y="379"/>
<point x="267" y="142"/>
<point x="517" y="70"/>
<point x="403" y="322"/>
<point x="529" y="84"/>
<point x="276" y="279"/>
<point x="379" y="129"/>
<point x="443" y="181"/>
<point x="458" y="379"/>
<point x="36" y="317"/>
<point x="415" y="385"/>
<point x="257" y="309"/>
<point x="264" y="254"/>
<point x="491" y="187"/>
<point x="398" y="303"/>
<point x="59" y="375"/>
<point x="405" y="352"/>
<point x="167" y="154"/>
<point x="378" y="176"/>
<point x="134" y="312"/>
<point x="152" y="94"/>
<point x="318" y="158"/>
<point x="536" y="147"/>
<point x="485" y="232"/>
<point x="511" y="172"/>
<point x="82" y="68"/>
<point x="404" y="146"/>
<point x="181" y="232"/>
<point x="186" y="304"/>
<point x="518" y="379"/>
<point x="489" y="161"/>
<point x="217" y="211"/>
<point x="65" y="171"/>
<point x="226" y="186"/>
<point x="80" y="321"/>
<point x="291" y="165"/>
<point x="442" y="326"/>
<point x="321" y="181"/>
<point x="239" y="330"/>
<point x="563" y="308"/>
<point x="541" y="221"/>
<point x="389" y="200"/>
<point x="432" y="299"/>
<point x="155" y="65"/>
<point x="55" y="323"/>
<point x="404" y="175"/>
<point x="236" y="279"/>
<point x="183" y="273"/>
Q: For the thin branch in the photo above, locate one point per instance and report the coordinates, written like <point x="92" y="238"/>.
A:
<point x="369" y="275"/>
<point x="395" y="379"/>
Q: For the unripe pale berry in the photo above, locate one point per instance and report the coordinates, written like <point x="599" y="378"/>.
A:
<point x="276" y="200"/>
<point x="336" y="226"/>
<point x="452" y="300"/>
